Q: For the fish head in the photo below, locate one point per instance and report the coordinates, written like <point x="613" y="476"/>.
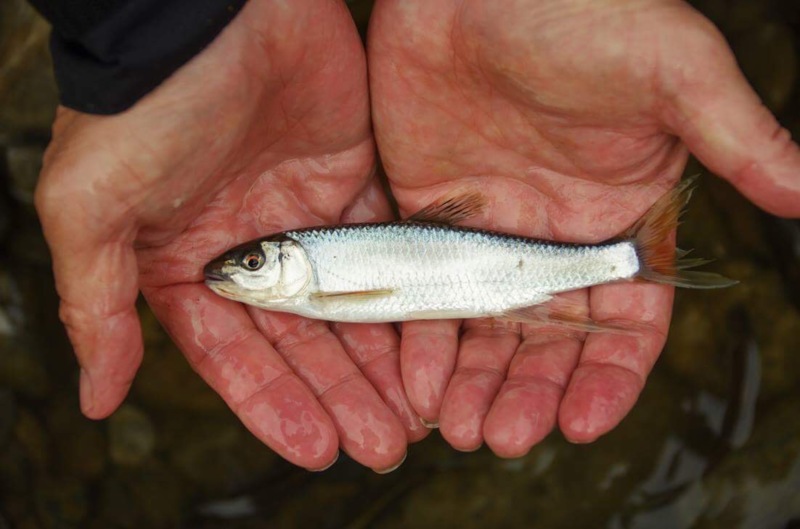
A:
<point x="263" y="272"/>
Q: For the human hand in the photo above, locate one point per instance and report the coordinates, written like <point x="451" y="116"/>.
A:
<point x="267" y="129"/>
<point x="571" y="118"/>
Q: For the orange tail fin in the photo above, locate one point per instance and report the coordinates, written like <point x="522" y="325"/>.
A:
<point x="660" y="261"/>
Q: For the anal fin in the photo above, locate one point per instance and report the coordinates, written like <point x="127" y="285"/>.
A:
<point x="564" y="314"/>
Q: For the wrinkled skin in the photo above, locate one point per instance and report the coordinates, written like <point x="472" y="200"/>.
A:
<point x="572" y="117"/>
<point x="267" y="129"/>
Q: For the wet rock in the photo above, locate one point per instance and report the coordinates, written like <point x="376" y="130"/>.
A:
<point x="768" y="57"/>
<point x="23" y="463"/>
<point x="756" y="487"/>
<point x="783" y="236"/>
<point x="733" y="16"/>
<point x="148" y="496"/>
<point x="28" y="95"/>
<point x="33" y="438"/>
<point x="116" y="506"/>
<point x="722" y="225"/>
<point x="26" y="242"/>
<point x="8" y="415"/>
<point x="24" y="164"/>
<point x="701" y="343"/>
<point x="61" y="503"/>
<point x="83" y="455"/>
<point x="131" y="436"/>
<point x="20" y="510"/>
<point x="15" y="470"/>
<point x="79" y="444"/>
<point x="160" y="497"/>
<point x="788" y="11"/>
<point x="11" y="314"/>
<point x="21" y="367"/>
<point x="556" y="485"/>
<point x="218" y="456"/>
<point x="5" y="199"/>
<point x="742" y="15"/>
<point x="5" y="215"/>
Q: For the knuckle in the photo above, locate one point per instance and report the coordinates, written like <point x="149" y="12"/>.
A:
<point x="72" y="316"/>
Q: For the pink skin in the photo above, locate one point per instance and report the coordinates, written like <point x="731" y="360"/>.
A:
<point x="267" y="129"/>
<point x="571" y="118"/>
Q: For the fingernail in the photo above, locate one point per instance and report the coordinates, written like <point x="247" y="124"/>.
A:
<point x="580" y="441"/>
<point x="326" y="467"/>
<point x="86" y="392"/>
<point x="469" y="450"/>
<point x="395" y="467"/>
<point x="429" y="425"/>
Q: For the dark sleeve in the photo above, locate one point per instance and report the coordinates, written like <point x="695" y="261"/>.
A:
<point x="107" y="54"/>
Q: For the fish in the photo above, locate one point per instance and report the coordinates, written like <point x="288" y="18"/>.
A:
<point x="428" y="267"/>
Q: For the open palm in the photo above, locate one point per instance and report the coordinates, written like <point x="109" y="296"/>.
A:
<point x="571" y="118"/>
<point x="263" y="131"/>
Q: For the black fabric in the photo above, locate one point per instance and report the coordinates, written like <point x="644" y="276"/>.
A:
<point x="72" y="18"/>
<point x="108" y="54"/>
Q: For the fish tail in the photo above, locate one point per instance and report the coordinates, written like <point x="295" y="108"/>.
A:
<point x="659" y="261"/>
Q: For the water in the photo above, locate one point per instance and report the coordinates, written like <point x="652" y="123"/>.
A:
<point x="714" y="441"/>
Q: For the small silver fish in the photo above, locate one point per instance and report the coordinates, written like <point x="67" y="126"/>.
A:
<point x="426" y="267"/>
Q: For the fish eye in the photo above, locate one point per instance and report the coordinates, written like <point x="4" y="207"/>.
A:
<point x="253" y="261"/>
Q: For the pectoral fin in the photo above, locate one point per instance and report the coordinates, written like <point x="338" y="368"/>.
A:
<point x="354" y="295"/>
<point x="451" y="210"/>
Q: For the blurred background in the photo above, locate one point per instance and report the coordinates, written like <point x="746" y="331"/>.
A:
<point x="714" y="441"/>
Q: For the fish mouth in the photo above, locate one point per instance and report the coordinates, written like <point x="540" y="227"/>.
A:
<point x="213" y="272"/>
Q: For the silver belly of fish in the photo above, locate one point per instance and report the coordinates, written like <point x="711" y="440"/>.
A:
<point x="414" y="271"/>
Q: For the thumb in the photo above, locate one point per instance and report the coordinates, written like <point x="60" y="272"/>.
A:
<point x="96" y="279"/>
<point x="711" y="106"/>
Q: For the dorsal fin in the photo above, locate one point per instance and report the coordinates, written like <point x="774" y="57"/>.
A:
<point x="450" y="210"/>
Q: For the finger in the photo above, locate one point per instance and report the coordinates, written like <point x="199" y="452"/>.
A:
<point x="375" y="350"/>
<point x="427" y="357"/>
<point x="98" y="291"/>
<point x="613" y="367"/>
<point x="96" y="275"/>
<point x="223" y="345"/>
<point x="526" y="407"/>
<point x="718" y="115"/>
<point x="484" y="353"/>
<point x="368" y="430"/>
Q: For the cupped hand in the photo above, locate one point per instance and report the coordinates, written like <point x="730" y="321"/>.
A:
<point x="267" y="129"/>
<point x="571" y="118"/>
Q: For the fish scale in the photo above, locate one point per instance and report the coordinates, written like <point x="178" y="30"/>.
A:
<point x="459" y="272"/>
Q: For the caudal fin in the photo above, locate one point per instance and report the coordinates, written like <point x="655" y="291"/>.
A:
<point x="660" y="261"/>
